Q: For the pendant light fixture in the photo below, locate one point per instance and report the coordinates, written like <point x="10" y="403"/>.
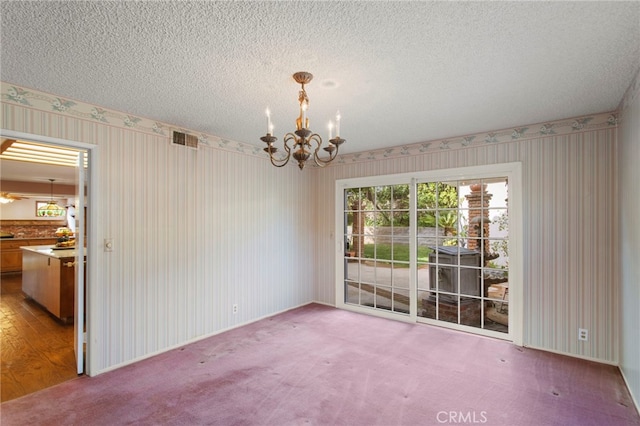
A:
<point x="51" y="209"/>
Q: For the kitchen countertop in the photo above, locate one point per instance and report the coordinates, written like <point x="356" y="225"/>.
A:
<point x="48" y="251"/>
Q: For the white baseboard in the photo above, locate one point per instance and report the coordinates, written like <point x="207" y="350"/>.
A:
<point x="633" y="397"/>
<point x="587" y="358"/>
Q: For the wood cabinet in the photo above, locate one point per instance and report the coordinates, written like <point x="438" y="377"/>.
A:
<point x="11" y="255"/>
<point x="49" y="279"/>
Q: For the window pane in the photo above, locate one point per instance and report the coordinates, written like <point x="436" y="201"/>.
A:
<point x="400" y="275"/>
<point x="423" y="255"/>
<point x="369" y="251"/>
<point x="469" y="281"/>
<point x="447" y="225"/>
<point x="401" y="301"/>
<point x="400" y="197"/>
<point x="426" y="219"/>
<point x="383" y="273"/>
<point x="448" y="309"/>
<point x="383" y="298"/>
<point x="497" y="316"/>
<point x="471" y="312"/>
<point x="352" y="272"/>
<point x="400" y="249"/>
<point x="383" y="248"/>
<point x="383" y="198"/>
<point x="367" y="198"/>
<point x="352" y="292"/>
<point x="427" y="304"/>
<point x="352" y="197"/>
<point x="349" y="217"/>
<point x="423" y="277"/>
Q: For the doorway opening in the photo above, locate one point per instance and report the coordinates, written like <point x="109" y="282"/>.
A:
<point x="43" y="345"/>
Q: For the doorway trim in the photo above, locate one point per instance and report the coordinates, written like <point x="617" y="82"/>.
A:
<point x="91" y="315"/>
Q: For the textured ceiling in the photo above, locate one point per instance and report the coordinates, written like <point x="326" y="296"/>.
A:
<point x="399" y="72"/>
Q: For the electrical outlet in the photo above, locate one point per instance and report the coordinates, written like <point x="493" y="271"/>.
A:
<point x="583" y="334"/>
<point x="235" y="309"/>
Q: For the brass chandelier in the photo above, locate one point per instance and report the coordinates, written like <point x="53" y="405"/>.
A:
<point x="303" y="137"/>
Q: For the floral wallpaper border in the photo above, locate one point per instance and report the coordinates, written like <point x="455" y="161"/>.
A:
<point x="30" y="98"/>
<point x="561" y="127"/>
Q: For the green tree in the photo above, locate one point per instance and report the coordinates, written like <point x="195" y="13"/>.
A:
<point x="379" y="202"/>
<point x="432" y="196"/>
<point x="448" y="222"/>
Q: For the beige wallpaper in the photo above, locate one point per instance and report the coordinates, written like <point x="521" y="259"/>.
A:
<point x="194" y="232"/>
<point x="197" y="231"/>
<point x="570" y="252"/>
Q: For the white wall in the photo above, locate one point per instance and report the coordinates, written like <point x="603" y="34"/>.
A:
<point x="569" y="204"/>
<point x="194" y="232"/>
<point x="629" y="238"/>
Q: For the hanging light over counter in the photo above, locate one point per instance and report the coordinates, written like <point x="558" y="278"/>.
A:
<point x="51" y="209"/>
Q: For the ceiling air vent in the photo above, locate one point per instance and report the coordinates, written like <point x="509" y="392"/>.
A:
<point x="184" y="139"/>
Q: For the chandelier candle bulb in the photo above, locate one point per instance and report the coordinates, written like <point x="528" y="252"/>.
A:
<point x="338" y="117"/>
<point x="304" y="116"/>
<point x="330" y="130"/>
<point x="269" y="126"/>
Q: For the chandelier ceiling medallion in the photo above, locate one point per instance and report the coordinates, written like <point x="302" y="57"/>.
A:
<point x="303" y="137"/>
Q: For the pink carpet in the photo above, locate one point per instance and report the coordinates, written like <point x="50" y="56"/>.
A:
<point x="318" y="365"/>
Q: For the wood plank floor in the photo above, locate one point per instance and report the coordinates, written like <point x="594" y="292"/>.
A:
<point x="36" y="350"/>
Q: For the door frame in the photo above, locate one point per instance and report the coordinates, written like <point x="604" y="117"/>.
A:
<point x="92" y="217"/>
<point x="513" y="172"/>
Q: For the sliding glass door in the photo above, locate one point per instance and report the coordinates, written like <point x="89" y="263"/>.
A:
<point x="464" y="279"/>
<point x="376" y="233"/>
<point x="434" y="249"/>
